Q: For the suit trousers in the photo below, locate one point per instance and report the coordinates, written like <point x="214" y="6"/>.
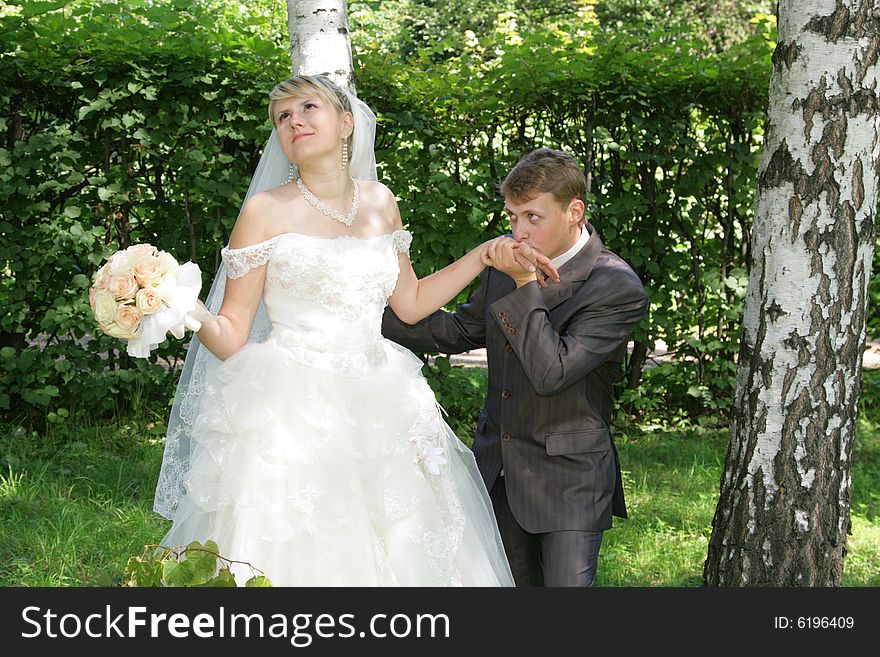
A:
<point x="561" y="558"/>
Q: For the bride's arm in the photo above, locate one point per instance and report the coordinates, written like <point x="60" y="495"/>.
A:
<point x="414" y="298"/>
<point x="226" y="332"/>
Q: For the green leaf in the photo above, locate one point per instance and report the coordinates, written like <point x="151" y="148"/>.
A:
<point x="177" y="573"/>
<point x="224" y="578"/>
<point x="696" y="391"/>
<point x="73" y="212"/>
<point x="144" y="572"/>
<point x="258" y="581"/>
<point x="203" y="563"/>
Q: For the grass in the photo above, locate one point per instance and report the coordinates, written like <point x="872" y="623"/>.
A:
<point x="71" y="508"/>
<point x="76" y="499"/>
<point x="671" y="482"/>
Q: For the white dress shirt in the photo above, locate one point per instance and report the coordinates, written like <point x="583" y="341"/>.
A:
<point x="560" y="260"/>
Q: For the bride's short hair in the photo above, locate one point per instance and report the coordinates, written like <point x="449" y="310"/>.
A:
<point x="300" y="86"/>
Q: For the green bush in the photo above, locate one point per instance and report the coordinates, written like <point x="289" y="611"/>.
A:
<point x="460" y="391"/>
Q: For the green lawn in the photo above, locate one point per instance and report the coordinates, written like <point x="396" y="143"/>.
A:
<point x="75" y="501"/>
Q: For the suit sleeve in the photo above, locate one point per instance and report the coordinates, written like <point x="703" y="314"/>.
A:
<point x="554" y="361"/>
<point x="443" y="332"/>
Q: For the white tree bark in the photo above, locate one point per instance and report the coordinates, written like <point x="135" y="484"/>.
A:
<point x="319" y="39"/>
<point x="783" y="515"/>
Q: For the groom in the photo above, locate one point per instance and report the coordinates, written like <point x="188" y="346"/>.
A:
<point x="543" y="442"/>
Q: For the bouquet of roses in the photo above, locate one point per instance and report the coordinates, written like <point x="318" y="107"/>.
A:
<point x="141" y="293"/>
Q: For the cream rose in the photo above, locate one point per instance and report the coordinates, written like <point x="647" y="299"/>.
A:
<point x="128" y="318"/>
<point x="139" y="250"/>
<point x="117" y="331"/>
<point x="167" y="263"/>
<point x="105" y="306"/>
<point x="123" y="286"/>
<point x="147" y="270"/>
<point x="102" y="278"/>
<point x="148" y="300"/>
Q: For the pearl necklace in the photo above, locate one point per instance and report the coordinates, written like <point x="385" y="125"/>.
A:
<point x="313" y="200"/>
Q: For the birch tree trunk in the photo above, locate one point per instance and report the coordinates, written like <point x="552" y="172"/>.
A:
<point x="784" y="511"/>
<point x="319" y="39"/>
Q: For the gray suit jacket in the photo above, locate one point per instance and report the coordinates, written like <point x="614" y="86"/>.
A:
<point x="553" y="355"/>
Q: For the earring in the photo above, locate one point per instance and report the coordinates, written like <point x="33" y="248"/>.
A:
<point x="344" y="154"/>
<point x="291" y="170"/>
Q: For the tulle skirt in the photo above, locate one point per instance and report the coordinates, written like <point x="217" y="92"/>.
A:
<point x="327" y="478"/>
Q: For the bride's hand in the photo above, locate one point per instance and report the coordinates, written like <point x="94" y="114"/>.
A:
<point x="200" y="313"/>
<point x="519" y="261"/>
<point x="544" y="267"/>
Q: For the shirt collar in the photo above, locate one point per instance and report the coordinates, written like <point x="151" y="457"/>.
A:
<point x="560" y="260"/>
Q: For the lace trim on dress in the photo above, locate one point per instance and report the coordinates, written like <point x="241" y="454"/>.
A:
<point x="240" y="261"/>
<point x="401" y="239"/>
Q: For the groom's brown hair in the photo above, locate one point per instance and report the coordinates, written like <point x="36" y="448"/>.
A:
<point x="545" y="170"/>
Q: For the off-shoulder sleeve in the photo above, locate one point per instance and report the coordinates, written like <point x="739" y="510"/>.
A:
<point x="240" y="261"/>
<point x="401" y="240"/>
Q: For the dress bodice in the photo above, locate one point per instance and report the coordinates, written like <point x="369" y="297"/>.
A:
<point x="325" y="296"/>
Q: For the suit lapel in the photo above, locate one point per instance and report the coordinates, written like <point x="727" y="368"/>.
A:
<point x="556" y="293"/>
<point x="576" y="269"/>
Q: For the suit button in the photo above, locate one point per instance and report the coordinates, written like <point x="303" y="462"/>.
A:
<point x="505" y="394"/>
<point x="506" y="437"/>
<point x="508" y="348"/>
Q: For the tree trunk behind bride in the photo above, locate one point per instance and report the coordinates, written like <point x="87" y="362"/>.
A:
<point x="319" y="39"/>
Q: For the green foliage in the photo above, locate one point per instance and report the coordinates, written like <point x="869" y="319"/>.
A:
<point x="723" y="23"/>
<point x="193" y="565"/>
<point x="668" y="129"/>
<point x="460" y="391"/>
<point x="112" y="137"/>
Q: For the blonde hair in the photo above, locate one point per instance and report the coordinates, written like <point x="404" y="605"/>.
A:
<point x="300" y="86"/>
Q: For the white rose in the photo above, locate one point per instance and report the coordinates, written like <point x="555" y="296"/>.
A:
<point x="167" y="263"/>
<point x="105" y="306"/>
<point x="166" y="287"/>
<point x="122" y="262"/>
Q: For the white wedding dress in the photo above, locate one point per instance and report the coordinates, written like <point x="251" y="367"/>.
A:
<point x="320" y="456"/>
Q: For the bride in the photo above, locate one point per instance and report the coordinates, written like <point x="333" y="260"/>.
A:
<point x="302" y="441"/>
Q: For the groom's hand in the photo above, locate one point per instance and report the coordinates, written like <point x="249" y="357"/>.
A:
<point x="519" y="261"/>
